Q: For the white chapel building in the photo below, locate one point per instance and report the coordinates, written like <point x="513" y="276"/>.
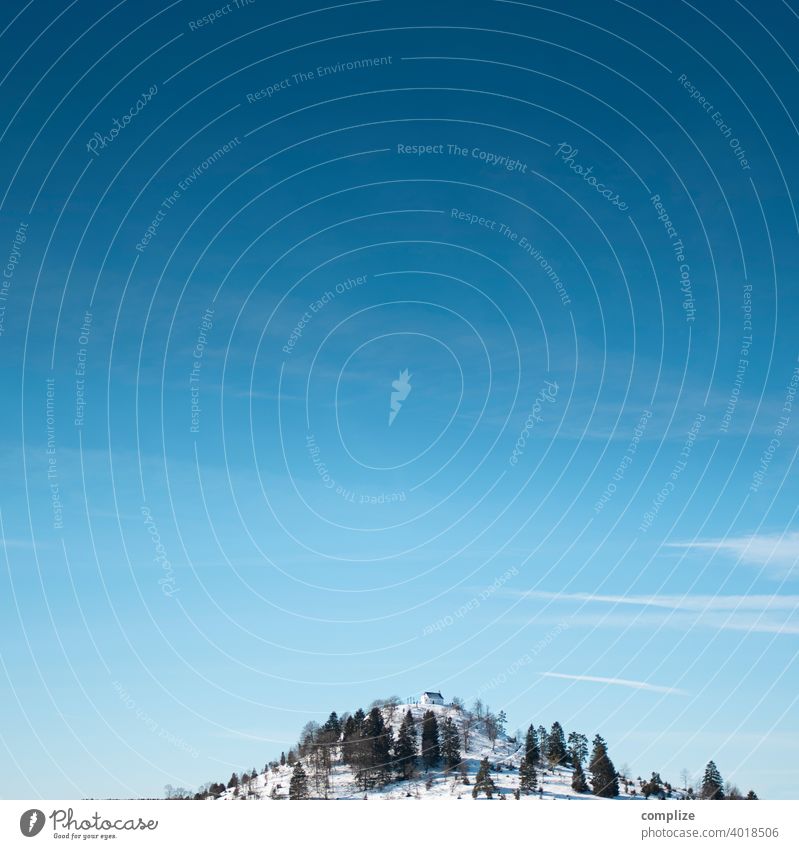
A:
<point x="432" y="698"/>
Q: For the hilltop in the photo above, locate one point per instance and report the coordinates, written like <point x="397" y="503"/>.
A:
<point x="444" y="751"/>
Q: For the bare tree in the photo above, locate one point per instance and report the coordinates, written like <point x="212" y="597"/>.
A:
<point x="307" y="738"/>
<point x="391" y="705"/>
<point x="320" y="765"/>
<point x="171" y="792"/>
<point x="492" y="729"/>
<point x="731" y="791"/>
<point x="467" y="726"/>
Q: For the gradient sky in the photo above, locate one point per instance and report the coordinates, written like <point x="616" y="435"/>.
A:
<point x="630" y="570"/>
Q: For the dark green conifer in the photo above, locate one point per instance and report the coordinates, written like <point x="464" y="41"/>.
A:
<point x="579" y="784"/>
<point x="528" y="778"/>
<point x="712" y="785"/>
<point x="483" y="783"/>
<point x="298" y="786"/>
<point x="604" y="780"/>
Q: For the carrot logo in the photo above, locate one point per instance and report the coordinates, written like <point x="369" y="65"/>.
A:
<point x="402" y="388"/>
<point x="31" y="822"/>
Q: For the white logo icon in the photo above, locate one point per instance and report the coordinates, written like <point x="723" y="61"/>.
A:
<point x="402" y="388"/>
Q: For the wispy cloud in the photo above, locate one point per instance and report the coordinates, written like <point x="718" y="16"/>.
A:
<point x="6" y="542"/>
<point x="778" y="554"/>
<point x="768" y="614"/>
<point x="745" y="622"/>
<point x="697" y="603"/>
<point x="619" y="682"/>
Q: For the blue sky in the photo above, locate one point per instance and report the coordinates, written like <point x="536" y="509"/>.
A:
<point x="584" y="509"/>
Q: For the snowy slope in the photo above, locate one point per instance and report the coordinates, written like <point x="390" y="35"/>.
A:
<point x="435" y="783"/>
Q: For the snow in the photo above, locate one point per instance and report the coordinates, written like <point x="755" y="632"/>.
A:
<point x="435" y="784"/>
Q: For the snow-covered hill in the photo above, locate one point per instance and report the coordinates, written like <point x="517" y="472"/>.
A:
<point x="504" y="755"/>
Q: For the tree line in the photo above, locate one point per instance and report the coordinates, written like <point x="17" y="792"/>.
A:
<point x="366" y="743"/>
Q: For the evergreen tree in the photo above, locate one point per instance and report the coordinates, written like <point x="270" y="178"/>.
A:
<point x="502" y="722"/>
<point x="348" y="735"/>
<point x="543" y="742"/>
<point x="412" y="729"/>
<point x="333" y="726"/>
<point x="380" y="739"/>
<point x="298" y="786"/>
<point x="358" y="718"/>
<point x="751" y="795"/>
<point x="579" y="784"/>
<point x="653" y="787"/>
<point x="282" y="759"/>
<point x="556" y="745"/>
<point x="528" y="779"/>
<point x="599" y="745"/>
<point x="405" y="747"/>
<point x="450" y="744"/>
<point x="360" y="756"/>
<point x="604" y="780"/>
<point x="531" y="750"/>
<point x="578" y="747"/>
<point x="234" y="781"/>
<point x="430" y="745"/>
<point x="483" y="783"/>
<point x="712" y="785"/>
